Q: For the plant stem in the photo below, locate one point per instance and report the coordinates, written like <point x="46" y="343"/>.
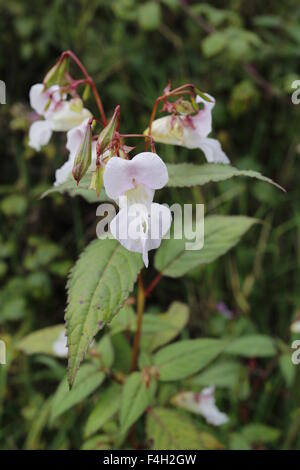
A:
<point x="153" y="284"/>
<point x="140" y="311"/>
<point x="88" y="79"/>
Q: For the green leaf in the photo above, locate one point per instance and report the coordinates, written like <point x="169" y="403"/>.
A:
<point x="238" y="442"/>
<point x="171" y="430"/>
<point x="89" y="378"/>
<point x="252" y="346"/>
<point x="188" y="174"/>
<point x="158" y="330"/>
<point x="99" y="442"/>
<point x="288" y="369"/>
<point x="224" y="374"/>
<point x="220" y="234"/>
<point x="99" y="283"/>
<point x="256" y="432"/>
<point x="107" y="406"/>
<point x="149" y="15"/>
<point x="70" y="187"/>
<point x="214" y="43"/>
<point x="184" y="358"/>
<point x="41" y="341"/>
<point x="136" y="397"/>
<point x="105" y="350"/>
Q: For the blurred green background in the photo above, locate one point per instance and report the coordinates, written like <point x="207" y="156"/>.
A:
<point x="247" y="55"/>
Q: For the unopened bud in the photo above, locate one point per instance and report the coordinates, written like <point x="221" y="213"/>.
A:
<point x="56" y="75"/>
<point x="106" y="135"/>
<point x="84" y="155"/>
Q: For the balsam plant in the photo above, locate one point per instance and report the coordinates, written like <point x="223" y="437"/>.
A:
<point x="152" y="379"/>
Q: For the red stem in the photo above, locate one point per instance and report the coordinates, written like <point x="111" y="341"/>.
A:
<point x="89" y="80"/>
<point x="153" y="284"/>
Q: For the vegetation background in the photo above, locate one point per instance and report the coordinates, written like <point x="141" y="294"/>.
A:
<point x="246" y="54"/>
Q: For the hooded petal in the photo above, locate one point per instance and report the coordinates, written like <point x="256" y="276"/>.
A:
<point x="39" y="134"/>
<point x="201" y="403"/>
<point x="66" y="117"/>
<point x="213" y="151"/>
<point x="146" y="169"/>
<point x="39" y="98"/>
<point x="203" y="119"/>
<point x="74" y="137"/>
<point x="140" y="230"/>
<point x="167" y="131"/>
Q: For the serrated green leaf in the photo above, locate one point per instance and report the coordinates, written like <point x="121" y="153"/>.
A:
<point x="184" y="358"/>
<point x="252" y="346"/>
<point x="158" y="330"/>
<point x="220" y="234"/>
<point x="41" y="341"/>
<point x="88" y="379"/>
<point x="188" y="174"/>
<point x="171" y="430"/>
<point x="99" y="283"/>
<point x="136" y="397"/>
<point x="106" y="407"/>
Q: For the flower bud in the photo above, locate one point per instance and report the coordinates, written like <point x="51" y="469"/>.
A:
<point x="107" y="133"/>
<point x="84" y="155"/>
<point x="97" y="179"/>
<point x="56" y="75"/>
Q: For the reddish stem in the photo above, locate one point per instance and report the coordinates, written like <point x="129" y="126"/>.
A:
<point x="153" y="284"/>
<point x="89" y="80"/>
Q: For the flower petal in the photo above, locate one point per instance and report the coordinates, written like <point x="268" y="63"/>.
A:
<point x="213" y="151"/>
<point x="38" y="98"/>
<point x="140" y="230"/>
<point x="146" y="168"/>
<point x="39" y="134"/>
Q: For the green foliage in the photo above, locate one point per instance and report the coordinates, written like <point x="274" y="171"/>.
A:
<point x="184" y="358"/>
<point x="136" y="397"/>
<point x="252" y="346"/>
<point x="187" y="174"/>
<point x="164" y="430"/>
<point x="98" y="285"/>
<point x="220" y="234"/>
<point x="246" y="55"/>
<point x="41" y="341"/>
<point x="88" y="380"/>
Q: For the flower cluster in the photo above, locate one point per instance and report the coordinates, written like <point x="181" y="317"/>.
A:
<point x="141" y="223"/>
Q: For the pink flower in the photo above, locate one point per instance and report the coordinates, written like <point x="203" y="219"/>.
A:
<point x="140" y="223"/>
<point x="190" y="132"/>
<point x="201" y="403"/>
<point x="58" y="114"/>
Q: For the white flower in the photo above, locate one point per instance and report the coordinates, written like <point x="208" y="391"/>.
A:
<point x="59" y="114"/>
<point x="140" y="223"/>
<point x="190" y="132"/>
<point x="295" y="326"/>
<point x="74" y="138"/>
<point x="60" y="345"/>
<point x="201" y="403"/>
